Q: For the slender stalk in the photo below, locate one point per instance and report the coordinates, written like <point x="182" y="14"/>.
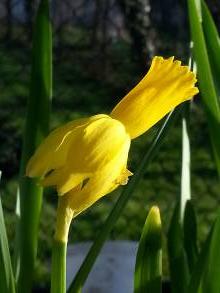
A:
<point x="36" y="128"/>
<point x="58" y="270"/>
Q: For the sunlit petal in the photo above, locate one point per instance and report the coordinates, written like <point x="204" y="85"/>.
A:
<point x="52" y="153"/>
<point x="101" y="183"/>
<point x="97" y="145"/>
<point x="166" y="85"/>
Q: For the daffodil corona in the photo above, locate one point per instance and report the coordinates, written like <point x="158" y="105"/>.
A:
<point x="87" y="158"/>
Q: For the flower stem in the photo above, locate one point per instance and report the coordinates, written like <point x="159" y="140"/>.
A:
<point x="58" y="273"/>
<point x="29" y="200"/>
<point x="58" y="270"/>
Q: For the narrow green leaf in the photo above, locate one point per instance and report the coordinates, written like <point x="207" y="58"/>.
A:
<point x="212" y="42"/>
<point x="185" y="175"/>
<point x="94" y="251"/>
<point x="36" y="128"/>
<point x="205" y="275"/>
<point x="148" y="268"/>
<point x="206" y="82"/>
<point x="197" y="273"/>
<point x="190" y="235"/>
<point x="210" y="280"/>
<point x="201" y="58"/>
<point x="7" y="282"/>
<point x="179" y="273"/>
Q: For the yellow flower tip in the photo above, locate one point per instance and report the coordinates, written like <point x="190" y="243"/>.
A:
<point x="154" y="214"/>
<point x="154" y="219"/>
<point x="165" y="86"/>
<point x="123" y="178"/>
<point x="155" y="210"/>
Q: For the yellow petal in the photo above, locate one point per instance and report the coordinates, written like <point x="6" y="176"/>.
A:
<point x="75" y="152"/>
<point x="92" y="148"/>
<point x="52" y="153"/>
<point x="101" y="183"/>
<point x="166" y="85"/>
<point x="64" y="180"/>
<point x="96" y="145"/>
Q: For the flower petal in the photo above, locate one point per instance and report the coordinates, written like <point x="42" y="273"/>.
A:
<point x="92" y="148"/>
<point x="75" y="152"/>
<point x="166" y="85"/>
<point x="64" y="180"/>
<point x="52" y="152"/>
<point x="101" y="183"/>
<point x="96" y="145"/>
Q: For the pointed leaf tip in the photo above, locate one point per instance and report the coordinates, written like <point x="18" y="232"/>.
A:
<point x="154" y="217"/>
<point x="148" y="268"/>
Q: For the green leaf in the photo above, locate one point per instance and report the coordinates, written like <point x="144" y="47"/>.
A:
<point x="94" y="251"/>
<point x="201" y="58"/>
<point x="210" y="279"/>
<point x="148" y="268"/>
<point x="187" y="213"/>
<point x="205" y="276"/>
<point x="7" y="282"/>
<point x="190" y="235"/>
<point x="205" y="78"/>
<point x="36" y="128"/>
<point x="197" y="273"/>
<point x="179" y="273"/>
<point x="212" y="42"/>
<point x="185" y="174"/>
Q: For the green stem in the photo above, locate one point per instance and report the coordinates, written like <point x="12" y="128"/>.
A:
<point x="28" y="233"/>
<point x="58" y="270"/>
<point x="36" y="128"/>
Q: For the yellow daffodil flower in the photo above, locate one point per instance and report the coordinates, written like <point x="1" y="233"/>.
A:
<point x="87" y="158"/>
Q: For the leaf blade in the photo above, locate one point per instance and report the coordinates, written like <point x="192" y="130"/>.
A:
<point x="185" y="172"/>
<point x="179" y="273"/>
<point x="7" y="282"/>
<point x="36" y="128"/>
<point x="148" y="268"/>
<point x="206" y="82"/>
<point x="210" y="280"/>
<point x="190" y="235"/>
<point x="212" y="42"/>
<point x="197" y="273"/>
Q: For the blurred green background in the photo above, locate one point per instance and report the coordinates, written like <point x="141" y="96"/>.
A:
<point x="101" y="49"/>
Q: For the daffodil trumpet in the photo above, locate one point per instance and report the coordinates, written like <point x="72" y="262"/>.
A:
<point x="87" y="158"/>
